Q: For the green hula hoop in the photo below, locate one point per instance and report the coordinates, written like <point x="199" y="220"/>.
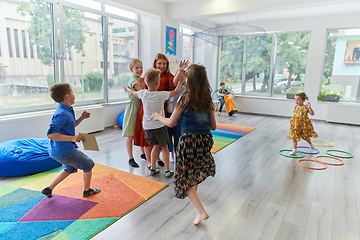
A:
<point x="280" y="152"/>
<point x="350" y="155"/>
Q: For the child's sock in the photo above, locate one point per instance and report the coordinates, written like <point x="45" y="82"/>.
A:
<point x="294" y="152"/>
<point x="154" y="171"/>
<point x="169" y="173"/>
<point x="172" y="156"/>
<point x="143" y="156"/>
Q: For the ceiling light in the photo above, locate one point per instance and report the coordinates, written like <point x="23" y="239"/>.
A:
<point x="290" y="42"/>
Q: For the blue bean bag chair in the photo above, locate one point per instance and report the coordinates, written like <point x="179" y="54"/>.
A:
<point x="121" y="119"/>
<point x="25" y="156"/>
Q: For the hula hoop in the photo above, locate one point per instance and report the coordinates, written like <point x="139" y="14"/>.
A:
<point x="334" y="164"/>
<point x="350" y="155"/>
<point x="331" y="144"/>
<point x="283" y="150"/>
<point x="309" y="160"/>
<point x="317" y="151"/>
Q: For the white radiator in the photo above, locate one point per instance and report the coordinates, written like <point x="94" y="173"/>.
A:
<point x="343" y="113"/>
<point x="36" y="124"/>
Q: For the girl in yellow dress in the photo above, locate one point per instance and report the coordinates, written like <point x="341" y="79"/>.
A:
<point x="300" y="124"/>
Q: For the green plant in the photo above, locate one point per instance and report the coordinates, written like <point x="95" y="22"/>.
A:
<point x="325" y="92"/>
<point x="123" y="79"/>
<point x="50" y="80"/>
<point x="111" y="82"/>
<point x="93" y="81"/>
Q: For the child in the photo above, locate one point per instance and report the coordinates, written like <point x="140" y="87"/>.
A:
<point x="194" y="162"/>
<point x="132" y="110"/>
<point x="300" y="124"/>
<point x="167" y="81"/>
<point x="175" y="132"/>
<point x="155" y="133"/>
<point x="62" y="146"/>
<point x="221" y="93"/>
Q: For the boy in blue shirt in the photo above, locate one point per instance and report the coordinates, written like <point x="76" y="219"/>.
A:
<point x="62" y="146"/>
<point x="221" y="93"/>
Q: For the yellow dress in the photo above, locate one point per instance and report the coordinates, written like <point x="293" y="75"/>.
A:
<point x="300" y="125"/>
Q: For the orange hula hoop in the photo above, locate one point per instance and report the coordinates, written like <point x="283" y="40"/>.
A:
<point x="333" y="164"/>
<point x="309" y="160"/>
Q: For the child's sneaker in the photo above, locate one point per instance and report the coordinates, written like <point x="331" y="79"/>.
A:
<point x="47" y="192"/>
<point x="293" y="153"/>
<point x="161" y="163"/>
<point x="133" y="163"/>
<point x="91" y="191"/>
<point x="169" y="173"/>
<point x="143" y="156"/>
<point x="154" y="171"/>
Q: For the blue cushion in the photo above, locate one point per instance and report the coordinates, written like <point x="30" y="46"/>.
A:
<point x="121" y="119"/>
<point x="25" y="156"/>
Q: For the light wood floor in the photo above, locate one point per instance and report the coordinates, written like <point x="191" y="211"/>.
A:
<point x="255" y="194"/>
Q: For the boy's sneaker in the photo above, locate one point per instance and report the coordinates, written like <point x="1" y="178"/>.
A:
<point x="91" y="191"/>
<point x="133" y="163"/>
<point x="143" y="156"/>
<point x="169" y="173"/>
<point x="293" y="153"/>
<point x="47" y="192"/>
<point x="154" y="171"/>
<point x="161" y="163"/>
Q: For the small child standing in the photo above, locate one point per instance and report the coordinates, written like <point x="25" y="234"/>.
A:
<point x="62" y="146"/>
<point x="156" y="133"/>
<point x="221" y="93"/>
<point x="300" y="124"/>
<point x="194" y="162"/>
<point x="132" y="109"/>
<point x="175" y="132"/>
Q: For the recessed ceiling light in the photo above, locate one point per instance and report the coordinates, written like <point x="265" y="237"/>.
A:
<point x="290" y="42"/>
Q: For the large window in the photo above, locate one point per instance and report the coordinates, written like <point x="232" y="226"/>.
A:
<point x="256" y="73"/>
<point x="63" y="41"/>
<point x="341" y="72"/>
<point x="186" y="44"/>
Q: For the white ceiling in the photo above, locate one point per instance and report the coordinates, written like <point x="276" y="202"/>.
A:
<point x="297" y="10"/>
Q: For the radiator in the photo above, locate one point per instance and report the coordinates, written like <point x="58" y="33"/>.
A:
<point x="35" y="125"/>
<point x="343" y="113"/>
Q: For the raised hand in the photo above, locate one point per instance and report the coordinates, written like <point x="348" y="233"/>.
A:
<point x="183" y="64"/>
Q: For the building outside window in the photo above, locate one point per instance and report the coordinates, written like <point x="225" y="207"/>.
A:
<point x="341" y="72"/>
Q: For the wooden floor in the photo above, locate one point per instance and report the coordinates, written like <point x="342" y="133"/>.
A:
<point x="255" y="194"/>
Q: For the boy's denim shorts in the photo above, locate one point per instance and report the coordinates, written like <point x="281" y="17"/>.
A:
<point x="75" y="160"/>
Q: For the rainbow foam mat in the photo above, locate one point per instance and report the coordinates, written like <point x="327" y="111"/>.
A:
<point x="226" y="134"/>
<point x="25" y="213"/>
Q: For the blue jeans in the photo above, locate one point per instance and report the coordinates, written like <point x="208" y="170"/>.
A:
<point x="75" y="160"/>
<point x="174" y="132"/>
<point x="222" y="102"/>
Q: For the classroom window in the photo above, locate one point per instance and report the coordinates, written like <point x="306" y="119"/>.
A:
<point x="341" y="70"/>
<point x="256" y="73"/>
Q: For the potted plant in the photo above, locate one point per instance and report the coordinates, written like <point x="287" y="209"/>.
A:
<point x="327" y="96"/>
